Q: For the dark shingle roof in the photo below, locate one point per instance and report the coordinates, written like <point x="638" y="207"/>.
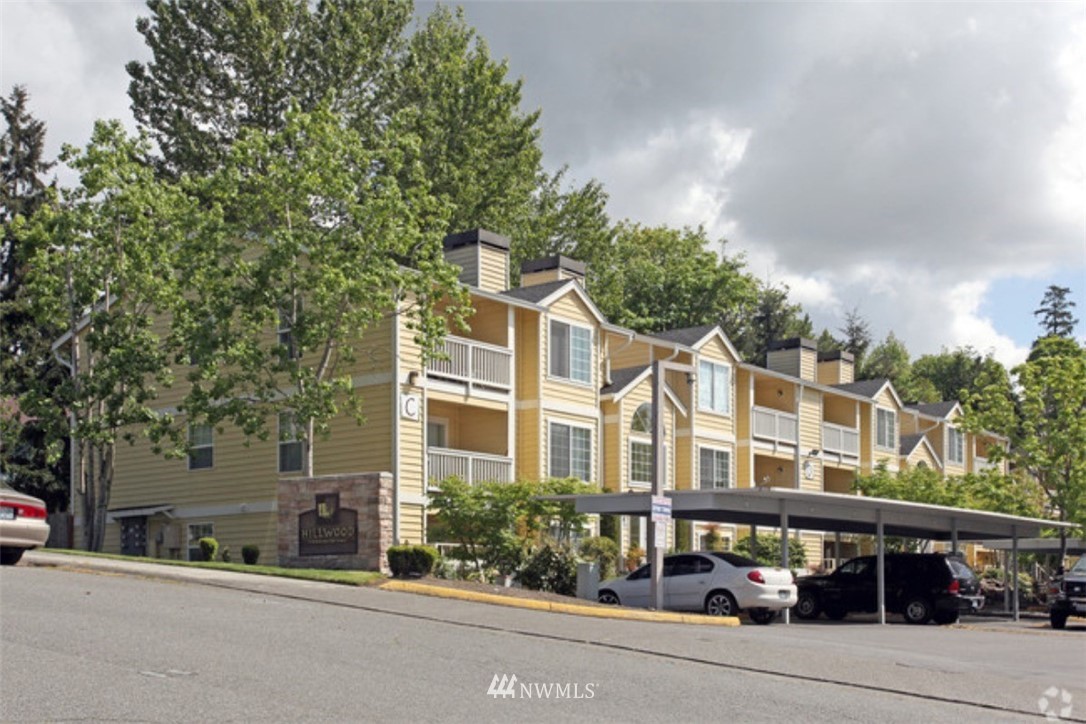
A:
<point x="621" y="378"/>
<point x="934" y="409"/>
<point x="688" y="336"/>
<point x="864" y="388"/>
<point x="909" y="443"/>
<point x="537" y="292"/>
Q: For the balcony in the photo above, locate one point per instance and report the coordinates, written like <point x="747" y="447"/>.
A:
<point x="841" y="442"/>
<point x="776" y="426"/>
<point x="472" y="467"/>
<point x="981" y="464"/>
<point x="475" y="364"/>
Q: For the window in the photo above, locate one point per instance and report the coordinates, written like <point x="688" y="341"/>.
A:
<point x="638" y="533"/>
<point x="196" y="532"/>
<point x="955" y="446"/>
<point x="640" y="463"/>
<point x="714" y="387"/>
<point x="715" y="468"/>
<point x="570" y="451"/>
<point x="288" y="316"/>
<point x="642" y="419"/>
<point x="437" y="433"/>
<point x="290" y="444"/>
<point x="885" y="433"/>
<point x="201" y="447"/>
<point x="570" y="352"/>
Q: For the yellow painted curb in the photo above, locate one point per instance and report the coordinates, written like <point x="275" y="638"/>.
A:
<point x="627" y="614"/>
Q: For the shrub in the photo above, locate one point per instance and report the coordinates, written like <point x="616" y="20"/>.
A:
<point x="250" y="554"/>
<point x="713" y="540"/>
<point x="208" y="548"/>
<point x="602" y="551"/>
<point x="633" y="557"/>
<point x="225" y="554"/>
<point x="412" y="560"/>
<point x="551" y="567"/>
<point x="768" y="551"/>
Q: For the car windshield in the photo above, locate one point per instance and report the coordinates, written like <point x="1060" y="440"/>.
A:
<point x="960" y="570"/>
<point x="1080" y="566"/>
<point x="736" y="560"/>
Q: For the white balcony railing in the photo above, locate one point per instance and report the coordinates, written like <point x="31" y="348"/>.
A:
<point x="472" y="467"/>
<point x="841" y="440"/>
<point x="775" y="425"/>
<point x="474" y="364"/>
<point x="981" y="464"/>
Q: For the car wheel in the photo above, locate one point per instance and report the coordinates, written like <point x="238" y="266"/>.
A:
<point x="762" y="616"/>
<point x="609" y="598"/>
<point x="947" y="618"/>
<point x="836" y="612"/>
<point x="10" y="556"/>
<point x="1058" y="620"/>
<point x="917" y="610"/>
<point x="807" y="606"/>
<point x="721" y="603"/>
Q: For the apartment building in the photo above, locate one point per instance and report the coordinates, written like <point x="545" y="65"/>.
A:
<point x="541" y="385"/>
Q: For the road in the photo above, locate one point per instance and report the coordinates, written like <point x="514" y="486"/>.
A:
<point x="106" y="646"/>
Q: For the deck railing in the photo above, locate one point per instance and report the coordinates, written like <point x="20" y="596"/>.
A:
<point x="472" y="467"/>
<point x="776" y="425"/>
<point x="840" y="439"/>
<point x="474" y="364"/>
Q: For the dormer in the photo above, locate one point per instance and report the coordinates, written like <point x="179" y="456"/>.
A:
<point x="483" y="258"/>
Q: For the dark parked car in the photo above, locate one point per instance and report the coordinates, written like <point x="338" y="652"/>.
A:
<point x="1068" y="595"/>
<point x="921" y="586"/>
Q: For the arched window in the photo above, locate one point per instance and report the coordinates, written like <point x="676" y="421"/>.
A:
<point x="642" y="419"/>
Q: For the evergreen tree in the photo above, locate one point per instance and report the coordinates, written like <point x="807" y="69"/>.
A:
<point x="1057" y="319"/>
<point x="857" y="334"/>
<point x="25" y="357"/>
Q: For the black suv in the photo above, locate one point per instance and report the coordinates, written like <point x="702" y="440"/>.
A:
<point x="921" y="586"/>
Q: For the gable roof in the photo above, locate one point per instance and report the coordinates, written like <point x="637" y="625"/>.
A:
<point x="547" y="293"/>
<point x="941" y="410"/>
<point x="696" y="337"/>
<point x="625" y="378"/>
<point x="909" y="444"/>
<point x="869" y="388"/>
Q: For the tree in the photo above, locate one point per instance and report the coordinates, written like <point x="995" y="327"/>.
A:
<point x="828" y="343"/>
<point x="1046" y="423"/>
<point x="317" y="239"/>
<point x="954" y="374"/>
<point x="1057" y="319"/>
<point x="480" y="153"/>
<point x="25" y="356"/>
<point x="103" y="270"/>
<point x="659" y="278"/>
<point x="771" y="317"/>
<point x="890" y="360"/>
<point x="218" y="68"/>
<point x="857" y="336"/>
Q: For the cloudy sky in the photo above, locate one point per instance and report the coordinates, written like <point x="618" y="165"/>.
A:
<point x="920" y="162"/>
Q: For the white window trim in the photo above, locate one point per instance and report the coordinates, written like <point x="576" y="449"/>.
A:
<point x="637" y="440"/>
<point x="731" y="465"/>
<point x="438" y="422"/>
<point x="951" y="460"/>
<point x="894" y="444"/>
<point x="591" y="446"/>
<point x="551" y="377"/>
<point x="193" y="448"/>
<point x="731" y="390"/>
<point x="191" y="543"/>
<point x="281" y="441"/>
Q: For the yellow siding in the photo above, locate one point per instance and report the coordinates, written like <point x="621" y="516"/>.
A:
<point x="922" y="454"/>
<point x="812" y="544"/>
<point x="465" y="257"/>
<point x="494" y="274"/>
<point x="611" y="444"/>
<point x="744" y="472"/>
<point x="489" y="324"/>
<point x="482" y="431"/>
<point x="810" y="438"/>
<point x="352" y="449"/>
<point x="231" y="531"/>
<point x="411" y="524"/>
<point x="570" y="308"/>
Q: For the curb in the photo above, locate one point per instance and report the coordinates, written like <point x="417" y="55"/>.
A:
<point x="569" y="608"/>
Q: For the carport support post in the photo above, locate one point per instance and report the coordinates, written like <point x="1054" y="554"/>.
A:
<point x="880" y="567"/>
<point x="659" y="474"/>
<point x="836" y="549"/>
<point x="784" y="548"/>
<point x="954" y="535"/>
<point x="1014" y="567"/>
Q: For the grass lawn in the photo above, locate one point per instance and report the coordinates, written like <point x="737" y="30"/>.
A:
<point x="347" y="578"/>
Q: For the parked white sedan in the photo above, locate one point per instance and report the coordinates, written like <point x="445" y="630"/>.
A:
<point x="22" y="524"/>
<point x="718" y="583"/>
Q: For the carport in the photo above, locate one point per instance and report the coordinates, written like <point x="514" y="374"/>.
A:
<point x="789" y="509"/>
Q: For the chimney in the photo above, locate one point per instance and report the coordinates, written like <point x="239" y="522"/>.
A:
<point x="796" y="357"/>
<point x="483" y="258"/>
<point x="551" y="269"/>
<point x="836" y="368"/>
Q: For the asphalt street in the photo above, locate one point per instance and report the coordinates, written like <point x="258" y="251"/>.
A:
<point x="101" y="641"/>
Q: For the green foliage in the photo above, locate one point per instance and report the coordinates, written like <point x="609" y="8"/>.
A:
<point x="766" y="316"/>
<point x="956" y="375"/>
<point x="611" y="527"/>
<point x="1057" y="320"/>
<point x="634" y="555"/>
<point x="412" y="560"/>
<point x="250" y="554"/>
<point x="497" y="525"/>
<point x="989" y="490"/>
<point x="857" y="336"/>
<point x="683" y="530"/>
<point x="714" y="541"/>
<point x="768" y="550"/>
<point x="603" y="551"/>
<point x="550" y="567"/>
<point x="209" y="547"/>
<point x="915" y="484"/>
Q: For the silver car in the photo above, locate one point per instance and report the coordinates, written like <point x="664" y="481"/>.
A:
<point x="22" y="524"/>
<point x="718" y="583"/>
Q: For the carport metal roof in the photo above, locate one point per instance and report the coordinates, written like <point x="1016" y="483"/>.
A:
<point x="809" y="510"/>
